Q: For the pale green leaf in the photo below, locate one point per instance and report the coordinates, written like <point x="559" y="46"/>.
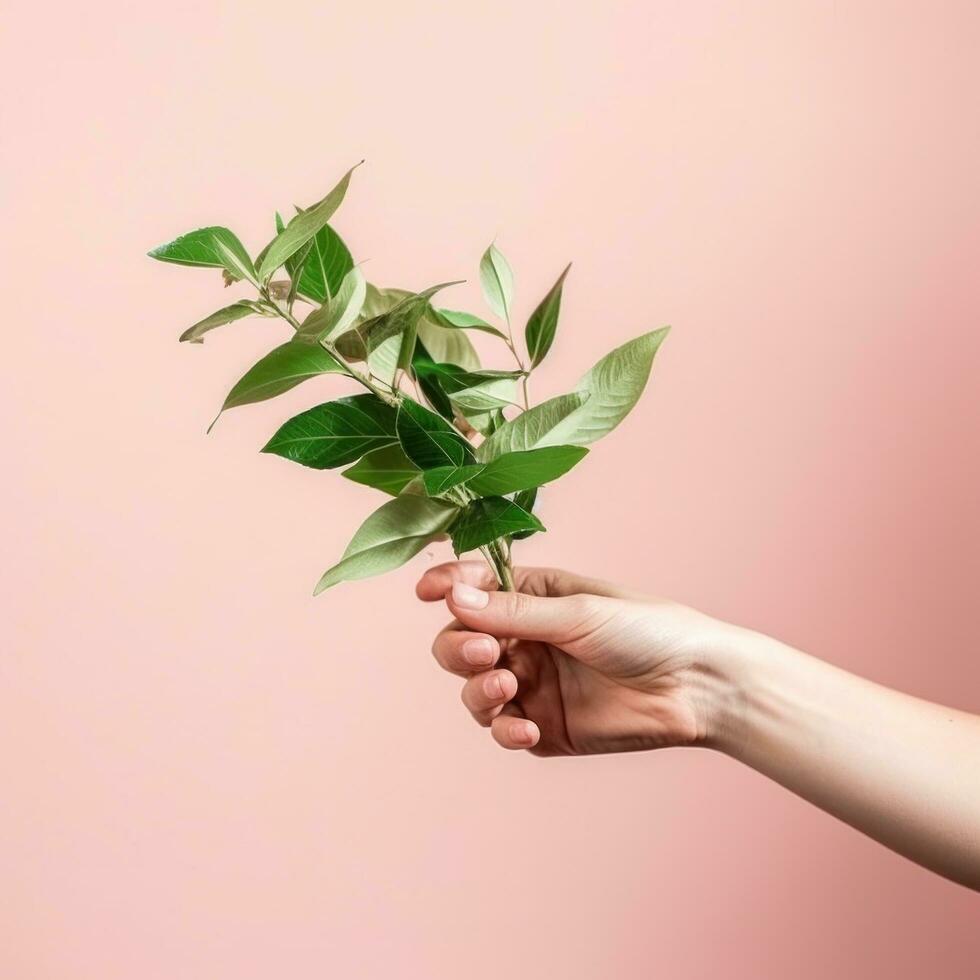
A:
<point x="228" y="314"/>
<point x="530" y="429"/>
<point x="464" y="321"/>
<point x="387" y="469"/>
<point x="613" y="386"/>
<point x="337" y="313"/>
<point x="302" y="228"/>
<point x="497" y="281"/>
<point x="448" y="345"/>
<point x="281" y="369"/>
<point x="393" y="534"/>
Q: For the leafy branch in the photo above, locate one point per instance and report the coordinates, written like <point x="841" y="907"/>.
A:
<point x="432" y="428"/>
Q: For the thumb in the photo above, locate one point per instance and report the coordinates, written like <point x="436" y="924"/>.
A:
<point x="514" y="614"/>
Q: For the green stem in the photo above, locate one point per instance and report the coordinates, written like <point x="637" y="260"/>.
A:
<point x="496" y="553"/>
<point x="389" y="399"/>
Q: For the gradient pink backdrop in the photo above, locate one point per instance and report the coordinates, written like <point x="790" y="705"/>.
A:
<point x="206" y="773"/>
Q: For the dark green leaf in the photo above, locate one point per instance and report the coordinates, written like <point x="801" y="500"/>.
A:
<point x="429" y="383"/>
<point x="387" y="469"/>
<point x="524" y="470"/>
<point x="336" y="433"/>
<point x="444" y="478"/>
<point x="214" y="247"/>
<point x="525" y="499"/>
<point x="540" y="330"/>
<point x="282" y="368"/>
<point x="531" y="428"/>
<point x="394" y="533"/>
<point x="486" y="520"/>
<point x="472" y="391"/>
<point x="429" y="440"/>
<point x="325" y="267"/>
<point x="228" y="314"/>
<point x="302" y="228"/>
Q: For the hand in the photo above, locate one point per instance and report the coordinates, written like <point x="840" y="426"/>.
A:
<point x="572" y="666"/>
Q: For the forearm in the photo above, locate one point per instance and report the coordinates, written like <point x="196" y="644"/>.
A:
<point x="902" y="770"/>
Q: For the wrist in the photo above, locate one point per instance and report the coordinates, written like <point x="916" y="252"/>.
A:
<point x="736" y="668"/>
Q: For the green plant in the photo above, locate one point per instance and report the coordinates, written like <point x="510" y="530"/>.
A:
<point x="426" y="398"/>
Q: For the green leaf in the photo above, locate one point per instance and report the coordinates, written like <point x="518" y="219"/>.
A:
<point x="228" y="314"/>
<point x="456" y="319"/>
<point x="383" y="361"/>
<point x="497" y="281"/>
<point x="524" y="470"/>
<point x="281" y="369"/>
<point x="486" y="520"/>
<point x="387" y="469"/>
<point x="429" y="383"/>
<point x="540" y="330"/>
<point x="302" y="228"/>
<point x="428" y="439"/>
<point x="530" y="429"/>
<point x="335" y="433"/>
<point x="400" y="321"/>
<point x="448" y="345"/>
<point x="214" y="247"/>
<point x="526" y="499"/>
<point x="485" y="395"/>
<point x="393" y="534"/>
<point x="473" y="391"/>
<point x="613" y="387"/>
<point x="338" y="312"/>
<point x="486" y="423"/>
<point x="444" y="478"/>
<point x="326" y="266"/>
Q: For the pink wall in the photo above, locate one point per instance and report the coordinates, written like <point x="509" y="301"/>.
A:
<point x="204" y="772"/>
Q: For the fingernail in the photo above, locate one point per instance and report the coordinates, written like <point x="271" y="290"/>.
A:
<point x="478" y="652"/>
<point x="522" y="732"/>
<point x="466" y="597"/>
<point x="493" y="687"/>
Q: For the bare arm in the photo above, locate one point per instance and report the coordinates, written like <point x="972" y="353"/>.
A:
<point x="900" y="769"/>
<point x="572" y="666"/>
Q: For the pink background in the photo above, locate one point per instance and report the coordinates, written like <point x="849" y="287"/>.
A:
<point x="206" y="773"/>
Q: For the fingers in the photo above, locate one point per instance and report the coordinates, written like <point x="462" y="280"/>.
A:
<point x="485" y="694"/>
<point x="463" y="652"/>
<point x="514" y="614"/>
<point x="436" y="582"/>
<point x="511" y="731"/>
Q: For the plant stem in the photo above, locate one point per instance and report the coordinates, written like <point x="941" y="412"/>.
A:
<point x="389" y="399"/>
<point x="496" y="554"/>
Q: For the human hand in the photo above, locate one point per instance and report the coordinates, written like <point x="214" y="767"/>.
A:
<point x="568" y="665"/>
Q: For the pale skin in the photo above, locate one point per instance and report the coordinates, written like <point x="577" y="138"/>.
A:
<point x="568" y="665"/>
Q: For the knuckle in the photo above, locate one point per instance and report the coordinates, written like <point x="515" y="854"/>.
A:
<point x="586" y="613"/>
<point x="518" y="605"/>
